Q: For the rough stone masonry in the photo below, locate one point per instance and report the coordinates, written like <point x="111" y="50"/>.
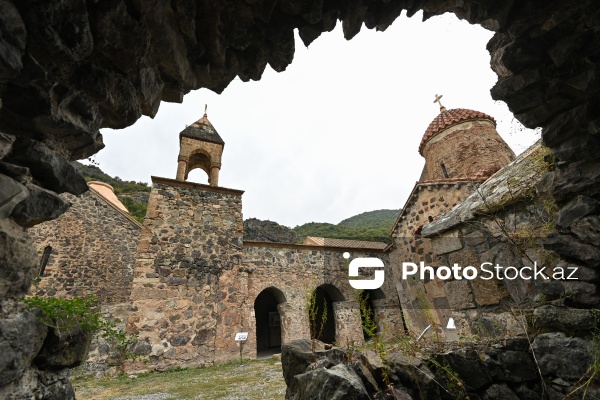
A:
<point x="71" y="67"/>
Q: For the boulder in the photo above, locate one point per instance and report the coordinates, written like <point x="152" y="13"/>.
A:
<point x="561" y="356"/>
<point x="337" y="383"/>
<point x="21" y="337"/>
<point x="48" y="167"/>
<point x="297" y="356"/>
<point x="63" y="349"/>
<point x="499" y="392"/>
<point x="574" y="210"/>
<point x="41" y="205"/>
<point x="11" y="194"/>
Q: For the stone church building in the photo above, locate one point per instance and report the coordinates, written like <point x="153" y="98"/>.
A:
<point x="185" y="282"/>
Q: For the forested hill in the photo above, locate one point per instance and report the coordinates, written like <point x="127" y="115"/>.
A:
<point x="371" y="225"/>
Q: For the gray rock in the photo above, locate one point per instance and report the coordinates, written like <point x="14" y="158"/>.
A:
<point x="21" y="337"/>
<point x="47" y="385"/>
<point x="142" y="348"/>
<point x="571" y="247"/>
<point x="66" y="349"/>
<point x="337" y="383"/>
<point x="18" y="259"/>
<point x="561" y="356"/>
<point x="11" y="194"/>
<point x="48" y="168"/>
<point x="366" y="377"/>
<point x="577" y="208"/>
<point x="6" y="142"/>
<point x="18" y="173"/>
<point x="41" y="205"/>
<point x="499" y="392"/>
<point x="518" y="366"/>
<point x="581" y="176"/>
<point x="180" y="341"/>
<point x="412" y="374"/>
<point x="296" y="356"/>
<point x="525" y="393"/>
<point x="564" y="318"/>
<point x="587" y="229"/>
<point x="468" y="366"/>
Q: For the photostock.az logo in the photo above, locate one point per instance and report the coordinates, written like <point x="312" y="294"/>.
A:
<point x="365" y="262"/>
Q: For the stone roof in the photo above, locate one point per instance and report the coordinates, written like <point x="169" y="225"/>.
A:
<point x="202" y="130"/>
<point x="507" y="186"/>
<point x="344" y="243"/>
<point x="448" y="118"/>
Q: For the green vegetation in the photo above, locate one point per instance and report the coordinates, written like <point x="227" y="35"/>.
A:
<point x="372" y="219"/>
<point x="81" y="315"/>
<point x="137" y="209"/>
<point x="93" y="173"/>
<point x="253" y="380"/>
<point x="316" y="324"/>
<point x="66" y="314"/>
<point x="373" y="226"/>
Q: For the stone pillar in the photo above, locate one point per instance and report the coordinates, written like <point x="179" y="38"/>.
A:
<point x="294" y="321"/>
<point x="348" y="326"/>
<point x="389" y="318"/>
<point x="214" y="175"/>
<point x="181" y="167"/>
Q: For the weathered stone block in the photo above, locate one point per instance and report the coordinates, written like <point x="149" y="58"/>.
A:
<point x="446" y="244"/>
<point x="562" y="356"/>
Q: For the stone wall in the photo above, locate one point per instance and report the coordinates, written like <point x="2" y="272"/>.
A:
<point x="297" y="270"/>
<point x="196" y="284"/>
<point x="465" y="149"/>
<point x="93" y="251"/>
<point x="423" y="302"/>
<point x="185" y="293"/>
<point x="506" y="223"/>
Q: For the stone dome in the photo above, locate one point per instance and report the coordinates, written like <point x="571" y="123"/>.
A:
<point x="448" y="118"/>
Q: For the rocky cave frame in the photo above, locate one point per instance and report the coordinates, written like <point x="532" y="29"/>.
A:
<point x="71" y="67"/>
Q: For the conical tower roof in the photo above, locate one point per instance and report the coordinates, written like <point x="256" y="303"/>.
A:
<point x="202" y="130"/>
<point x="448" y="118"/>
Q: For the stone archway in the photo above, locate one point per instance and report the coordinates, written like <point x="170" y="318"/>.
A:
<point x="370" y="297"/>
<point x="268" y="321"/>
<point x="324" y="297"/>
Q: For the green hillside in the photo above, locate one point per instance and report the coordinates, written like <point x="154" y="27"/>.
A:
<point x="373" y="226"/>
<point x="372" y="219"/>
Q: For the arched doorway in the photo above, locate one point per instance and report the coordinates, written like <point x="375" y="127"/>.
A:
<point x="323" y="318"/>
<point x="268" y="321"/>
<point x="366" y="300"/>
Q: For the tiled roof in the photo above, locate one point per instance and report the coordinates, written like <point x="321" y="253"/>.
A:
<point x="448" y="118"/>
<point x="345" y="243"/>
<point x="202" y="130"/>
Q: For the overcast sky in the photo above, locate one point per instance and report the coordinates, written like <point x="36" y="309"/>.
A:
<point x="337" y="133"/>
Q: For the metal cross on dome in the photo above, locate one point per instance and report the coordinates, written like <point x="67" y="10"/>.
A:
<point x="438" y="99"/>
<point x="205" y="108"/>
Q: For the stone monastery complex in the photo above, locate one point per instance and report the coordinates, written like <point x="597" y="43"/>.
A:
<point x="185" y="282"/>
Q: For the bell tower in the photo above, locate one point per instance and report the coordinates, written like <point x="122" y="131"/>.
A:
<point x="200" y="146"/>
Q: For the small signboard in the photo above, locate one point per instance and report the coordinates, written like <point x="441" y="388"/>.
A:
<point x="451" y="324"/>
<point x="241" y="336"/>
